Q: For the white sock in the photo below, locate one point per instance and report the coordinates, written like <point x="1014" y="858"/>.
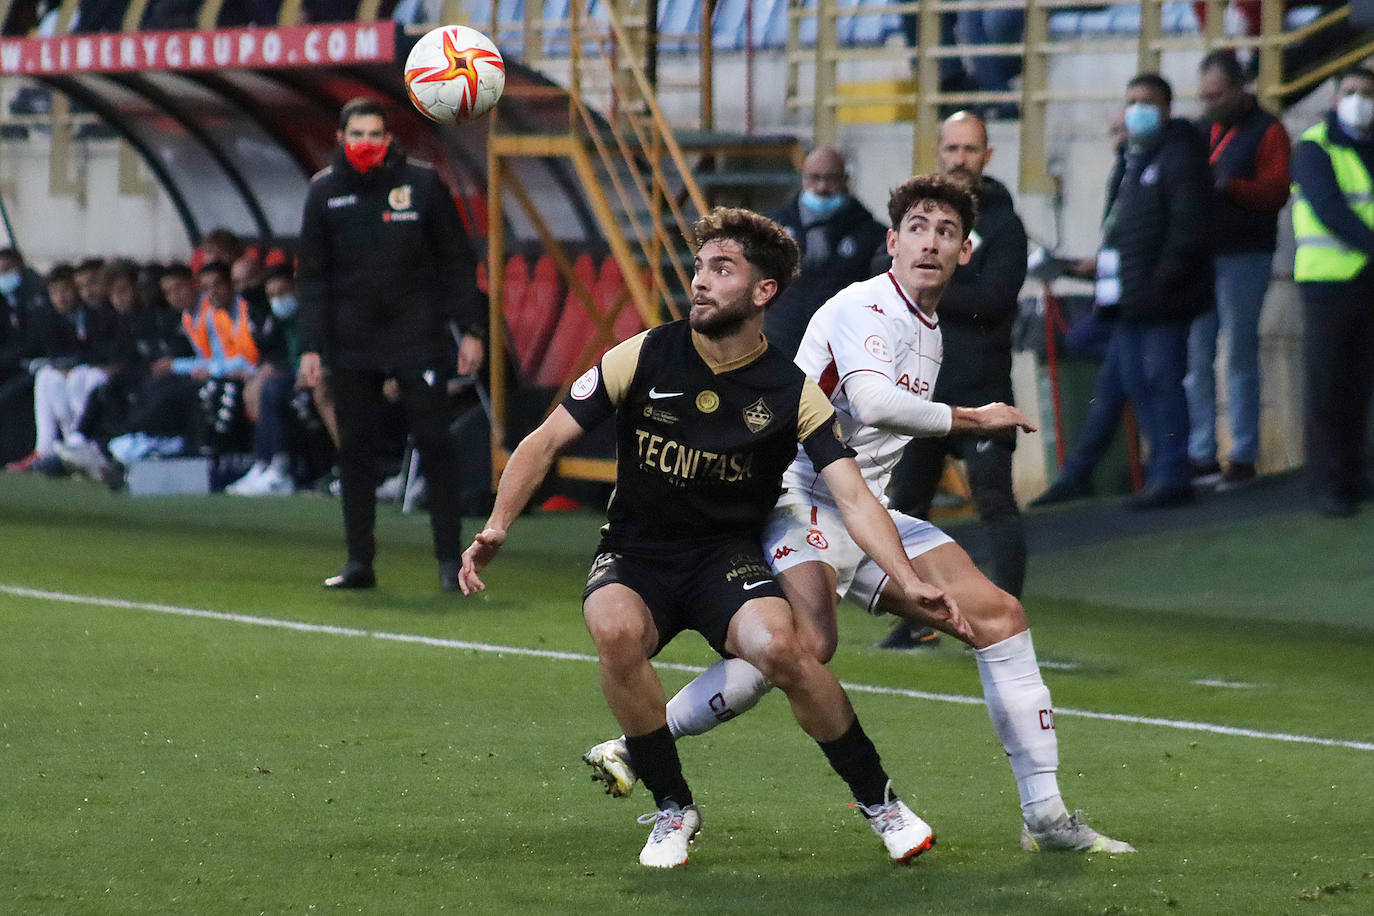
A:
<point x="1019" y="705"/>
<point x="281" y="462"/>
<point x="721" y="692"/>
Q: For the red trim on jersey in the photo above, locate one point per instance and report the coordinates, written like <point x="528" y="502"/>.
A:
<point x="911" y="306"/>
<point x="830" y="377"/>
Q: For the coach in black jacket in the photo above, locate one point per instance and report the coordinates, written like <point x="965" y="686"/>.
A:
<point x="387" y="285"/>
<point x="1154" y="275"/>
<point x="976" y="315"/>
<point x="837" y="236"/>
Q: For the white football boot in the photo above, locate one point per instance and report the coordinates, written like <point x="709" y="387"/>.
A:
<point x="1067" y="832"/>
<point x="904" y="834"/>
<point x="674" y="830"/>
<point x="610" y="763"/>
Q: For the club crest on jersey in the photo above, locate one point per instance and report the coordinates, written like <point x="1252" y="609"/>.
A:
<point x="817" y="540"/>
<point x="757" y="416"/>
<point x="708" y="401"/>
<point x="877" y="348"/>
<point x="399" y="198"/>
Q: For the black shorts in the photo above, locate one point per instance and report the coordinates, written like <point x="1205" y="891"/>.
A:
<point x="692" y="588"/>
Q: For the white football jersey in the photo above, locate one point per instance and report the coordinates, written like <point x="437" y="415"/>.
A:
<point x="870" y="326"/>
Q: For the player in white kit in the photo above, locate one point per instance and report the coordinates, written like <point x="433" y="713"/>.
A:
<point x="875" y="350"/>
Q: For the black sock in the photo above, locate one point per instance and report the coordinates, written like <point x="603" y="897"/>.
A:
<point x="655" y="761"/>
<point x="855" y="758"/>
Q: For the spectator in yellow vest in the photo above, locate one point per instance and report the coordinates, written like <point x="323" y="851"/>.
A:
<point x="1333" y="220"/>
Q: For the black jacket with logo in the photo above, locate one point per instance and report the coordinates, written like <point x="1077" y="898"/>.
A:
<point x="385" y="266"/>
<point x="1157" y="219"/>
<point x="979" y="306"/>
<point x="852" y="235"/>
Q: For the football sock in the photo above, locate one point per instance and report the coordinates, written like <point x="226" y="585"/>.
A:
<point x="1022" y="715"/>
<point x="721" y="692"/>
<point x="655" y="761"/>
<point x="854" y="757"/>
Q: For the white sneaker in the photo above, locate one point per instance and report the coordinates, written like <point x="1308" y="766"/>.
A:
<point x="390" y="490"/>
<point x="269" y="482"/>
<point x="674" y="830"/>
<point x="610" y="763"/>
<point x="276" y="480"/>
<point x="245" y="485"/>
<point x="904" y="834"/>
<point x="1067" y="832"/>
<point x="84" y="456"/>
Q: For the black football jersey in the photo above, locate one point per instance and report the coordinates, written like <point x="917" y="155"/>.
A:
<point x="701" y="448"/>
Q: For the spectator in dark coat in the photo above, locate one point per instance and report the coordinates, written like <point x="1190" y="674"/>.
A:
<point x="1154" y="276"/>
<point x="388" y="290"/>
<point x="22" y="295"/>
<point x="837" y="236"/>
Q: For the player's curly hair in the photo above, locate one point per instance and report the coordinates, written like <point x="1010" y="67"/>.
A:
<point x="766" y="245"/>
<point x="945" y="189"/>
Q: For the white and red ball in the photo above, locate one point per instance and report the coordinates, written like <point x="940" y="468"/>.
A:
<point x="454" y="74"/>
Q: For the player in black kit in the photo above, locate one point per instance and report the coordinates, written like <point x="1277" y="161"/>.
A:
<point x="708" y="417"/>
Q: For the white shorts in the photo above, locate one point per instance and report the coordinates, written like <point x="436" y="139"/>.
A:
<point x="800" y="533"/>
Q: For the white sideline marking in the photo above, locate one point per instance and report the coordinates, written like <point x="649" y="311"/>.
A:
<point x="303" y="627"/>
<point x="1226" y="685"/>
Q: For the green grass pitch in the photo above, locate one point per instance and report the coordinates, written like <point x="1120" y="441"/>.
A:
<point x="386" y="757"/>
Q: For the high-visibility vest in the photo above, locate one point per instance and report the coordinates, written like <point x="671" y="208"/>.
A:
<point x="235" y="332"/>
<point x="1321" y="255"/>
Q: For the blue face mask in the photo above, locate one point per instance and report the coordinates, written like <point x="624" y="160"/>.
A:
<point x="1142" y="120"/>
<point x="822" y="205"/>
<point x="9" y="281"/>
<point x="283" y="306"/>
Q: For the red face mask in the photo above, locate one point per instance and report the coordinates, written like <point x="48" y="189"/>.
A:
<point x="364" y="155"/>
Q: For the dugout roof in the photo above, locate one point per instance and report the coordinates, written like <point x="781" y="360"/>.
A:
<point x="232" y="123"/>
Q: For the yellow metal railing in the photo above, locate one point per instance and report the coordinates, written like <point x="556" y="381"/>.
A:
<point x="919" y="98"/>
<point x="638" y="184"/>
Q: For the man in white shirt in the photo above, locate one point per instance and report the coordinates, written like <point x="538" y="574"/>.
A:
<point x="875" y="351"/>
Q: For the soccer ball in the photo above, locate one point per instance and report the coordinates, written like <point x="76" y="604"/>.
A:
<point x="454" y="74"/>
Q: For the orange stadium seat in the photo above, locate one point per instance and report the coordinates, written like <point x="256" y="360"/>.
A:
<point x="517" y="280"/>
<point x="610" y="287"/>
<point x="535" y="317"/>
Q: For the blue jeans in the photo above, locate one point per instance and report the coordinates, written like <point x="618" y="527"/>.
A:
<point x="1242" y="280"/>
<point x="1154" y="356"/>
<point x="1104" y="415"/>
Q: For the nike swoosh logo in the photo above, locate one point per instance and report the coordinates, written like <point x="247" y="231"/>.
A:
<point x="655" y="394"/>
<point x="984" y="445"/>
<point x="752" y="585"/>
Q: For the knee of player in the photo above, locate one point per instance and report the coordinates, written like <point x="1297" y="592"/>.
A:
<point x="819" y="645"/>
<point x="1001" y="617"/>
<point x="616" y="636"/>
<point x="783" y="660"/>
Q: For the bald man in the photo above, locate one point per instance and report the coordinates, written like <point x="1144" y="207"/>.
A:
<point x="976" y="316"/>
<point x="837" y="236"/>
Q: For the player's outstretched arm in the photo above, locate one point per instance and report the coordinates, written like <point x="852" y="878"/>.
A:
<point x="528" y="466"/>
<point x="872" y="529"/>
<point x="990" y="418"/>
